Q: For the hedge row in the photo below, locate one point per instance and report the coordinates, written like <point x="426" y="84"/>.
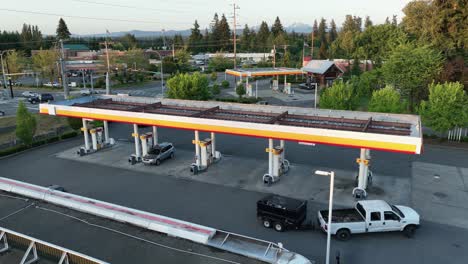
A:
<point x="22" y="147"/>
<point x="244" y="100"/>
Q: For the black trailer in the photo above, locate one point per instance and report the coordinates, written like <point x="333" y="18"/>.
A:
<point x="282" y="212"/>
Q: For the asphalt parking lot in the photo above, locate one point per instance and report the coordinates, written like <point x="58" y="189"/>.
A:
<point x="106" y="240"/>
<point x="233" y="209"/>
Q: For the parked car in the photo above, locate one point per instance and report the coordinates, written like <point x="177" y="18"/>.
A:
<point x="41" y="98"/>
<point x="370" y="216"/>
<point x="282" y="213"/>
<point x="86" y="91"/>
<point x="159" y="153"/>
<point x="52" y="84"/>
<point x="16" y="83"/>
<point x="2" y="113"/>
<point x="28" y="94"/>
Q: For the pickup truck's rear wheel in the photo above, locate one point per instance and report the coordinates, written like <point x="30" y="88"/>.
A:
<point x="343" y="234"/>
<point x="266" y="223"/>
<point x="279" y="227"/>
<point x="409" y="230"/>
<point x="158" y="162"/>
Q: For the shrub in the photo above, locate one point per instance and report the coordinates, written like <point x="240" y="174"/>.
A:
<point x="13" y="150"/>
<point x="249" y="100"/>
<point x="75" y="123"/>
<point x="386" y="100"/>
<point x="214" y="76"/>
<point x="240" y="90"/>
<point x="215" y="89"/>
<point x="189" y="87"/>
<point x="52" y="139"/>
<point x="339" y="97"/>
<point x="225" y="84"/>
<point x="69" y="135"/>
<point x="26" y="124"/>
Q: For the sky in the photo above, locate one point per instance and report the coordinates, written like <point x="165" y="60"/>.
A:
<point x="155" y="15"/>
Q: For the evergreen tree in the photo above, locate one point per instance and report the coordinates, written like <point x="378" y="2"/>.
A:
<point x="387" y="21"/>
<point x="26" y="37"/>
<point x="323" y="51"/>
<point x="394" y="21"/>
<point x="277" y="28"/>
<point x="224" y="34"/>
<point x="246" y="38"/>
<point x="178" y="41"/>
<point x="196" y="38"/>
<point x="322" y="32"/>
<point x="333" y="34"/>
<point x="62" y="30"/>
<point x="355" y="68"/>
<point x="368" y="22"/>
<point x="263" y="35"/>
<point x="215" y="34"/>
<point x="352" y="24"/>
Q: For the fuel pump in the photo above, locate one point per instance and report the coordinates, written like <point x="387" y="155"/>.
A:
<point x="206" y="153"/>
<point x="96" y="138"/>
<point x="146" y="143"/>
<point x="277" y="166"/>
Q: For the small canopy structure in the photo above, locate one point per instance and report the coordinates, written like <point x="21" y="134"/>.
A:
<point x="264" y="72"/>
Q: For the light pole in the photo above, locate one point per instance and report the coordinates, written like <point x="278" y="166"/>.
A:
<point x="330" y="207"/>
<point x="108" y="66"/>
<point x="3" y="69"/>
<point x="162" y="74"/>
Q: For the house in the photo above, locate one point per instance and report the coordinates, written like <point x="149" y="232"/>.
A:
<point x="323" y="71"/>
<point x="78" y="51"/>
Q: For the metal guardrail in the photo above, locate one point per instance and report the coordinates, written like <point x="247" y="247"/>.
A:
<point x="36" y="249"/>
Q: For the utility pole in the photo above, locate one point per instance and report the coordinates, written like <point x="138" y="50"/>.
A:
<point x="3" y="70"/>
<point x="274" y="56"/>
<point x="108" y="66"/>
<point x="62" y="71"/>
<point x="235" y="35"/>
<point x="312" y="46"/>
<point x="303" y="53"/>
<point x="9" y="81"/>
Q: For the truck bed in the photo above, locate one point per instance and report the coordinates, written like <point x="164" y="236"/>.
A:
<point x="343" y="215"/>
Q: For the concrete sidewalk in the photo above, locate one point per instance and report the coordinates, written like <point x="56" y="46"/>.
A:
<point x="300" y="182"/>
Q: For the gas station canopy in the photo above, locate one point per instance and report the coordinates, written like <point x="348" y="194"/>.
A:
<point x="378" y="131"/>
<point x="263" y="72"/>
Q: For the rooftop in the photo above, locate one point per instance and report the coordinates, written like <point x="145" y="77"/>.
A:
<point x="79" y="47"/>
<point x="264" y="72"/>
<point x="318" y="66"/>
<point x="380" y="131"/>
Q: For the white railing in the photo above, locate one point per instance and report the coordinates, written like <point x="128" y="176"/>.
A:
<point x="36" y="248"/>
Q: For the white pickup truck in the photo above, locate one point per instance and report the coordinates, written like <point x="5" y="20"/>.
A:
<point x="370" y="216"/>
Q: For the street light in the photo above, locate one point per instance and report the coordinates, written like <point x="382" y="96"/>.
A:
<point x="162" y="75"/>
<point x="330" y="203"/>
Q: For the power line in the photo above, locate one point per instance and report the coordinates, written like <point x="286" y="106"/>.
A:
<point x="127" y="6"/>
<point x="85" y="17"/>
<point x="84" y="221"/>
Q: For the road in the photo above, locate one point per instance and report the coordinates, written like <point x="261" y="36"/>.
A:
<point x="233" y="209"/>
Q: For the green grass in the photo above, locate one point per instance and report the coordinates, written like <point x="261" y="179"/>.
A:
<point x="45" y="124"/>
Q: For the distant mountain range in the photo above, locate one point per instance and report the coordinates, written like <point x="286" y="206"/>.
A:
<point x="296" y="27"/>
<point x="139" y="33"/>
